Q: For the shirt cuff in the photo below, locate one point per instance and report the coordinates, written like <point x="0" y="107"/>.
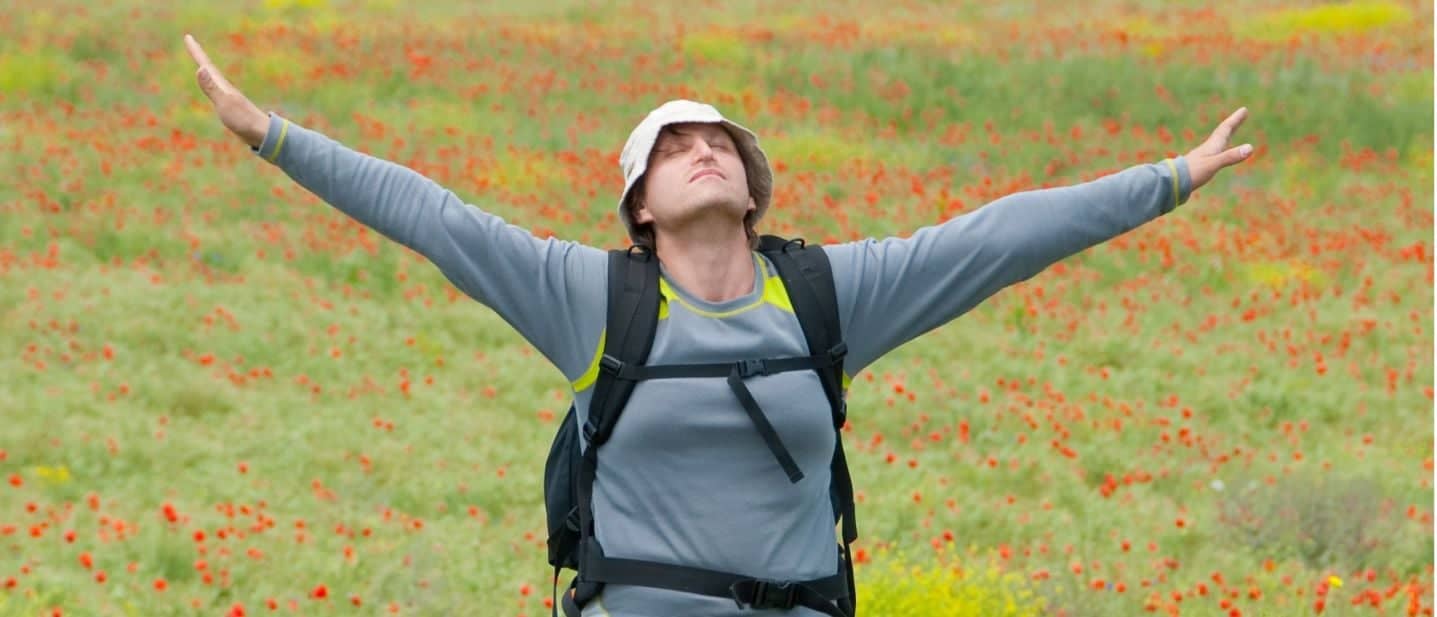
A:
<point x="1182" y="182"/>
<point x="273" y="143"/>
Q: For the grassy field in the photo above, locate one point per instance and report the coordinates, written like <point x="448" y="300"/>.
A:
<point x="221" y="396"/>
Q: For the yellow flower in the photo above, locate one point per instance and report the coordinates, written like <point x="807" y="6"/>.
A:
<point x="1334" y="581"/>
<point x="53" y="475"/>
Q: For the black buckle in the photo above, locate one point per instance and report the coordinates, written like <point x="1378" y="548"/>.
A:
<point x="611" y="365"/>
<point x="751" y="368"/>
<point x="836" y="354"/>
<point x="766" y="594"/>
<point x="590" y="429"/>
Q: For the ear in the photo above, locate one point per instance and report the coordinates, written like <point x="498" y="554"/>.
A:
<point x="641" y="214"/>
<point x="752" y="205"/>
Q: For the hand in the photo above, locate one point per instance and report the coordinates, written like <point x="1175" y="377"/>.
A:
<point x="241" y="116"/>
<point x="1213" y="155"/>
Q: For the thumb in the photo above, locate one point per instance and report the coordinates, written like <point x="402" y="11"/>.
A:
<point x="1236" y="155"/>
<point x="207" y="82"/>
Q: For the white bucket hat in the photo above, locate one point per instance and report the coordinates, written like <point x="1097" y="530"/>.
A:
<point x="634" y="159"/>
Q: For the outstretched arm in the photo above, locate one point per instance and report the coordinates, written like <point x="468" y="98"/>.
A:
<point x="551" y="291"/>
<point x="891" y="291"/>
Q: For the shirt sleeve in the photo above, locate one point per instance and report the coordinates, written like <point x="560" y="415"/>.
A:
<point x="550" y="291"/>
<point x="893" y="290"/>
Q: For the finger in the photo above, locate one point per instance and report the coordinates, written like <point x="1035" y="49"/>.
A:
<point x="1229" y="126"/>
<point x="197" y="52"/>
<point x="211" y="82"/>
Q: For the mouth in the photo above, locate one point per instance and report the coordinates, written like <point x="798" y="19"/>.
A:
<point x="705" y="173"/>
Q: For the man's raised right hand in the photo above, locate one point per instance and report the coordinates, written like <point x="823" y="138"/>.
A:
<point x="241" y="116"/>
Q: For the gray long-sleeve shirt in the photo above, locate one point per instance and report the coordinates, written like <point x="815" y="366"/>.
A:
<point x="694" y="483"/>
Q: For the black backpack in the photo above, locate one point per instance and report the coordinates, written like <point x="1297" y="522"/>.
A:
<point x="632" y="312"/>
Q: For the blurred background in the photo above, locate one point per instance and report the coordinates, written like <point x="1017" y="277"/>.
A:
<point x="222" y="396"/>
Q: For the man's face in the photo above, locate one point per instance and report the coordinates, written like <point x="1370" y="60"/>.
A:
<point x="694" y="171"/>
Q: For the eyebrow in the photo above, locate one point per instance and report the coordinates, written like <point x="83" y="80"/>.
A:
<point x="673" y="132"/>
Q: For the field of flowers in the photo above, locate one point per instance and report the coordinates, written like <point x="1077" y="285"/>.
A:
<point x="222" y="397"/>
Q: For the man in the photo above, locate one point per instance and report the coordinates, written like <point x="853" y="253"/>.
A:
<point x="693" y="483"/>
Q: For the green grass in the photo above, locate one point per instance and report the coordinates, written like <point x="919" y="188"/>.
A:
<point x="186" y="326"/>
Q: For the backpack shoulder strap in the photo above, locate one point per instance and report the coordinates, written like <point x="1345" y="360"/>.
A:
<point x="807" y="276"/>
<point x="632" y="317"/>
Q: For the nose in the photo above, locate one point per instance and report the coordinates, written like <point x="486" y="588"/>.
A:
<point x="702" y="150"/>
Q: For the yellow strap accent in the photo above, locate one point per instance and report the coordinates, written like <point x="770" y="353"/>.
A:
<point x="592" y="374"/>
<point x="846" y="381"/>
<point x="776" y="294"/>
<point x="1173" y="166"/>
<point x="283" y="130"/>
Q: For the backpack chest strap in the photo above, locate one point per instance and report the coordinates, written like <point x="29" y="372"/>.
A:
<point x="744" y="368"/>
<point x="734" y="373"/>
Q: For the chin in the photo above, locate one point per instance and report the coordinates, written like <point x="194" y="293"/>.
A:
<point x="713" y="202"/>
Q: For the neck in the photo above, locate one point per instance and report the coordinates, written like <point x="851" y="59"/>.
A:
<point x="715" y="267"/>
